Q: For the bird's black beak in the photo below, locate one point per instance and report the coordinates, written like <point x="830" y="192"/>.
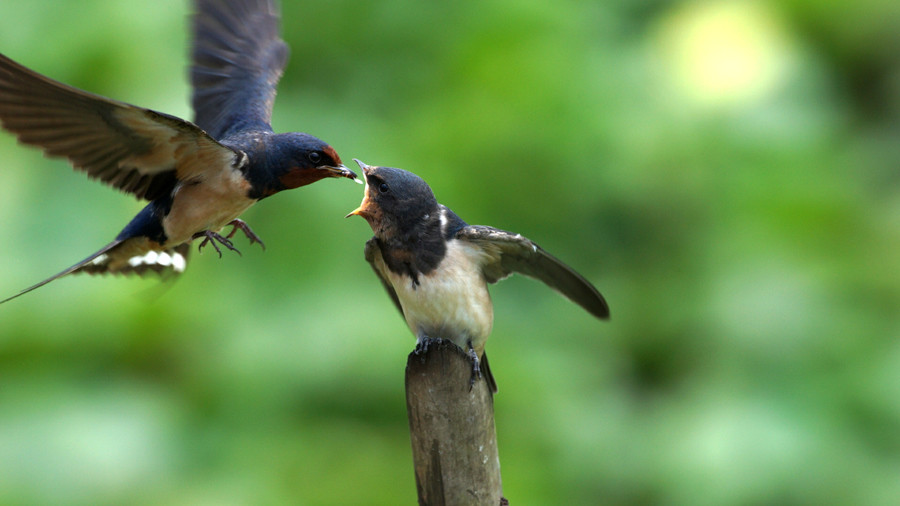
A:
<point x="342" y="171"/>
<point x="362" y="166"/>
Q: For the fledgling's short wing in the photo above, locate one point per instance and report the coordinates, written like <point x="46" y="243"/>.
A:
<point x="130" y="148"/>
<point x="372" y="252"/>
<point x="238" y="58"/>
<point x="509" y="253"/>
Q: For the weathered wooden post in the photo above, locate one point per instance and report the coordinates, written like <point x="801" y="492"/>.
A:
<point x="454" y="442"/>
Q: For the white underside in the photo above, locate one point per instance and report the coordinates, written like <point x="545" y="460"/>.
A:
<point x="206" y="205"/>
<point x="451" y="302"/>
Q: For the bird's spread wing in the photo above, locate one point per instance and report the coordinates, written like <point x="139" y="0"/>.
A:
<point x="372" y="252"/>
<point x="135" y="150"/>
<point x="508" y="253"/>
<point x="238" y="58"/>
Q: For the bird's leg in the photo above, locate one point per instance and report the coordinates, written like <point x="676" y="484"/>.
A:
<point x="476" y="365"/>
<point x="211" y="238"/>
<point x="243" y="227"/>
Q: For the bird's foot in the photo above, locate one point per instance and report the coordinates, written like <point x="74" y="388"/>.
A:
<point x="476" y="365"/>
<point x="243" y="227"/>
<point x="424" y="342"/>
<point x="211" y="238"/>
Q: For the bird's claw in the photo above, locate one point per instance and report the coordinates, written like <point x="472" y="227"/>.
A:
<point x="243" y="227"/>
<point x="476" y="365"/>
<point x="211" y="238"/>
<point x="423" y="344"/>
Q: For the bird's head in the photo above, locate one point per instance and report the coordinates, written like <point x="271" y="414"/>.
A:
<point x="306" y="159"/>
<point x="395" y="200"/>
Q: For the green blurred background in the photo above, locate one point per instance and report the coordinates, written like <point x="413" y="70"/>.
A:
<point x="725" y="172"/>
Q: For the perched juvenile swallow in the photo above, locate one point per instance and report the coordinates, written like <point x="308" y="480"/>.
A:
<point x="199" y="177"/>
<point x="436" y="268"/>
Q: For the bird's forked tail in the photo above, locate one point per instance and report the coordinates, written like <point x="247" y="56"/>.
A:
<point x="123" y="256"/>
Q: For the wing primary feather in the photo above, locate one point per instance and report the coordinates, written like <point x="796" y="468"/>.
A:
<point x="128" y="147"/>
<point x="566" y="281"/>
<point x="238" y="58"/>
<point x="509" y="253"/>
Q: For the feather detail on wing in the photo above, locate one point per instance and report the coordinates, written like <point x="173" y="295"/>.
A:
<point x="508" y="253"/>
<point x="130" y="148"/>
<point x="372" y="253"/>
<point x="238" y="59"/>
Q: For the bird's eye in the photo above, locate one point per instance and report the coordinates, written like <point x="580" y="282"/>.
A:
<point x="314" y="157"/>
<point x="383" y="188"/>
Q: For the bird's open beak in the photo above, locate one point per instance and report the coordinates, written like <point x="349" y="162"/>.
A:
<point x="359" y="211"/>
<point x="362" y="209"/>
<point x="362" y="166"/>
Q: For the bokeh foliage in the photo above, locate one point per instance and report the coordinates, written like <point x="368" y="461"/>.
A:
<point x="726" y="172"/>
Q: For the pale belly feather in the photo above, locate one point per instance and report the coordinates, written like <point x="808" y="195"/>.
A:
<point x="451" y="302"/>
<point x="205" y="206"/>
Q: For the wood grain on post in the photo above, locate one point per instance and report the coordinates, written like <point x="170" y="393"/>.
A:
<point x="454" y="442"/>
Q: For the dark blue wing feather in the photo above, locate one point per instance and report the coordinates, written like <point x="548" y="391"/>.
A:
<point x="136" y="150"/>
<point x="508" y="253"/>
<point x="238" y="58"/>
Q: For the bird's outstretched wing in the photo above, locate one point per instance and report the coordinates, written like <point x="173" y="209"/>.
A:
<point x="372" y="251"/>
<point x="135" y="150"/>
<point x="238" y="58"/>
<point x="508" y="253"/>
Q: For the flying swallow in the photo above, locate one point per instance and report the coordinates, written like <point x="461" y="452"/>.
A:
<point x="198" y="177"/>
<point x="436" y="268"/>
